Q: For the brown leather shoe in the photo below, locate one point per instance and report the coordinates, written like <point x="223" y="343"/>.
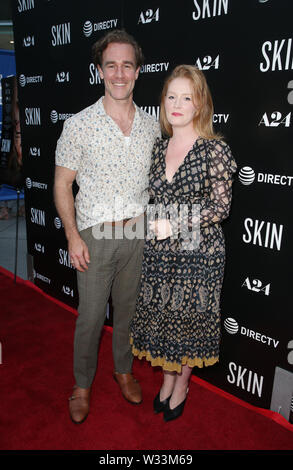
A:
<point x="130" y="387"/>
<point x="79" y="404"/>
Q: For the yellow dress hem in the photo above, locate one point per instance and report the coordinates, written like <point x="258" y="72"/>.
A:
<point x="173" y="366"/>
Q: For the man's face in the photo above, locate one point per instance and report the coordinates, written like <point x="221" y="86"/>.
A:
<point x="119" y="70"/>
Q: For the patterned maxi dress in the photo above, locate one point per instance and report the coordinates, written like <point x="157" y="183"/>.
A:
<point x="177" y="319"/>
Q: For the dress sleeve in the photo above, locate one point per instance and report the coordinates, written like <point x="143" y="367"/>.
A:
<point x="156" y="145"/>
<point x="215" y="207"/>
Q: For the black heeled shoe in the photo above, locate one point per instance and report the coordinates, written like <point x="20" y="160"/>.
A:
<point x="160" y="405"/>
<point x="169" y="414"/>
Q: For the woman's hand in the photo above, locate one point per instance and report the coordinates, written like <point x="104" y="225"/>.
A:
<point x="161" y="228"/>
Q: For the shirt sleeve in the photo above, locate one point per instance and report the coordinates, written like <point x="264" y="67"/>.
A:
<point x="158" y="132"/>
<point x="221" y="167"/>
<point x="68" y="150"/>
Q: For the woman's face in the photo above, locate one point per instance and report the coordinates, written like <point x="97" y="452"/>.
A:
<point x="180" y="104"/>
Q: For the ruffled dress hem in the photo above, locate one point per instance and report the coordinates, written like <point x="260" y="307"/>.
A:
<point x="173" y="366"/>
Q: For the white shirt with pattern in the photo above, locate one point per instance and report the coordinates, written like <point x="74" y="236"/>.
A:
<point x="112" y="171"/>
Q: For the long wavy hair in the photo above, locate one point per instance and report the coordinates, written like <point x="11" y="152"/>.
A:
<point x="203" y="119"/>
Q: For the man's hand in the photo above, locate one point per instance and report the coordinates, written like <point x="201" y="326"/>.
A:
<point x="78" y="252"/>
<point x="77" y="249"/>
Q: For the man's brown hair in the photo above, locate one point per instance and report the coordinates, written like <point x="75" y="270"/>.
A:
<point x="116" y="36"/>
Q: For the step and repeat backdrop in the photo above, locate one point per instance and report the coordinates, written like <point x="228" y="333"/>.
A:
<point x="246" y="52"/>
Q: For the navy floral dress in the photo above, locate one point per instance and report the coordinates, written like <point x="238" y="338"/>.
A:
<point x="177" y="319"/>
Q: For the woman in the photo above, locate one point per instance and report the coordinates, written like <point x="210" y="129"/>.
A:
<point x="177" y="321"/>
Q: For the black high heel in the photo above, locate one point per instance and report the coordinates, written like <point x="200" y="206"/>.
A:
<point x="175" y="413"/>
<point x="160" y="405"/>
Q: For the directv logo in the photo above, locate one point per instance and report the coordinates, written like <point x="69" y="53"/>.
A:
<point x="28" y="182"/>
<point x="35" y="184"/>
<point x="57" y="222"/>
<point x="87" y="28"/>
<point x="59" y="116"/>
<point x="54" y="116"/>
<point x="231" y="326"/>
<point x="246" y="175"/>
<point x="22" y="80"/>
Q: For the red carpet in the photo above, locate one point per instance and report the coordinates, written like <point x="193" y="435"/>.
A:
<point x="36" y="335"/>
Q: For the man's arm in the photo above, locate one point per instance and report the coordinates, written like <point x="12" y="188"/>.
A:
<point x="64" y="202"/>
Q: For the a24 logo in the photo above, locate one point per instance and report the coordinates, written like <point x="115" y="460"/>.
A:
<point x="148" y="16"/>
<point x="256" y="286"/>
<point x="276" y="119"/>
<point x="207" y="62"/>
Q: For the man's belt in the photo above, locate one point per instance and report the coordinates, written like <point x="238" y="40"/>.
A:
<point x="123" y="222"/>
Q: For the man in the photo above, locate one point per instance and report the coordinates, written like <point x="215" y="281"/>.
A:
<point x="107" y="148"/>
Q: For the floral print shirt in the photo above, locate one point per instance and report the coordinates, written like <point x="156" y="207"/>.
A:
<point x="112" y="170"/>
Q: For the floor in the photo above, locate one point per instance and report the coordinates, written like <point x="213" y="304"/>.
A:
<point x="8" y="243"/>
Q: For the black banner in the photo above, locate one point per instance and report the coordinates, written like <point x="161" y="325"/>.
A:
<point x="246" y="52"/>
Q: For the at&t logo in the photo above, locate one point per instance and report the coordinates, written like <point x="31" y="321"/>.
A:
<point x="148" y="16"/>
<point x="57" y="223"/>
<point x="246" y="175"/>
<point x="231" y="326"/>
<point x="54" y="116"/>
<point x="87" y="28"/>
<point x="22" y="80"/>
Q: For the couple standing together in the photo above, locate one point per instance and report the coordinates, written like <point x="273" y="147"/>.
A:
<point x="165" y="295"/>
